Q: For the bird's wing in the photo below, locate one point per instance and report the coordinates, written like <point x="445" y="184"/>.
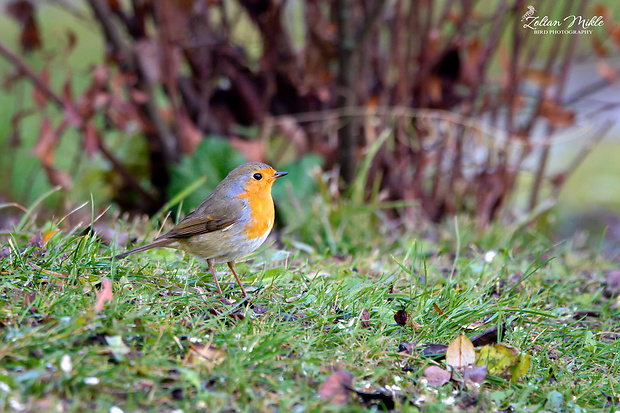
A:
<point x="208" y="217"/>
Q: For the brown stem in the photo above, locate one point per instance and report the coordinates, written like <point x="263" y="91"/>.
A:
<point x="347" y="79"/>
<point x="30" y="74"/>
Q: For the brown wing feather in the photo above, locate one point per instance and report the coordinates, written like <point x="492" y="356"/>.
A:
<point x="208" y="217"/>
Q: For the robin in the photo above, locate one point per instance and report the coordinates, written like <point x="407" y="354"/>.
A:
<point x="233" y="221"/>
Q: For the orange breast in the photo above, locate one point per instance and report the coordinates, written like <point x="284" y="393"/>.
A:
<point x="261" y="209"/>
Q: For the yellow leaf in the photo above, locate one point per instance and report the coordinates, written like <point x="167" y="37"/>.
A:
<point x="49" y="235"/>
<point x="522" y="366"/>
<point x="460" y="352"/>
<point x="497" y="358"/>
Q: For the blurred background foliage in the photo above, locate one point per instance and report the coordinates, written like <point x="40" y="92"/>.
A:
<point x="393" y="112"/>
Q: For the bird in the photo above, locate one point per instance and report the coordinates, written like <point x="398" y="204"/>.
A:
<point x="230" y="223"/>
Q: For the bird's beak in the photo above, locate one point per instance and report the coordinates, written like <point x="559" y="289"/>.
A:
<point x="280" y="174"/>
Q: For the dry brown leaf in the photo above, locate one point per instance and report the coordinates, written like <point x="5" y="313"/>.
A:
<point x="400" y="317"/>
<point x="406" y="347"/>
<point x="23" y="11"/>
<point x="436" y="307"/>
<point x="365" y="318"/>
<point x="556" y="114"/>
<point x="207" y="353"/>
<point x="29" y="300"/>
<point x="103" y="295"/>
<point x="436" y="376"/>
<point x="415" y="325"/>
<point x="474" y="373"/>
<point x="37" y="241"/>
<point x="46" y="144"/>
<point x="335" y="388"/>
<point x="460" y="352"/>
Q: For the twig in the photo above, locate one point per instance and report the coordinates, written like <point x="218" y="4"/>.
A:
<point x="105" y="17"/>
<point x="586" y="91"/>
<point x="376" y="13"/>
<point x="30" y="74"/>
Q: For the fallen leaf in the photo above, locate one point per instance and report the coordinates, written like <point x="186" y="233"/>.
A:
<point x="384" y="400"/>
<point x="498" y="358"/>
<point x="460" y="352"/>
<point x="435" y="351"/>
<point x="365" y="318"/>
<point x="38" y="245"/>
<point x="5" y="252"/>
<point x="555" y="400"/>
<point x="415" y="325"/>
<point x="523" y="365"/>
<point x="117" y="347"/>
<point x="436" y="307"/>
<point x="335" y="388"/>
<point x="103" y="295"/>
<point x="401" y="317"/>
<point x="207" y="353"/>
<point x="436" y="376"/>
<point x="29" y="300"/>
<point x="406" y="347"/>
<point x="487" y="337"/>
<point x="49" y="234"/>
<point x="475" y="373"/>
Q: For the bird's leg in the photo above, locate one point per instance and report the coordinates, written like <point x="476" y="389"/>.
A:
<point x="231" y="265"/>
<point x="217" y="284"/>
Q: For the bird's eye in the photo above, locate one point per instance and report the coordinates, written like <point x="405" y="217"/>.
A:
<point x="257" y="176"/>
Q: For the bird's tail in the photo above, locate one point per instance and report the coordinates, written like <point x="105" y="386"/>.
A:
<point x="155" y="244"/>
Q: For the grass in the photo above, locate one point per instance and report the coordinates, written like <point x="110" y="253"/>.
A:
<point x="143" y="350"/>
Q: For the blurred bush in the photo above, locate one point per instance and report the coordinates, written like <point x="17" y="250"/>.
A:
<point x="460" y="89"/>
